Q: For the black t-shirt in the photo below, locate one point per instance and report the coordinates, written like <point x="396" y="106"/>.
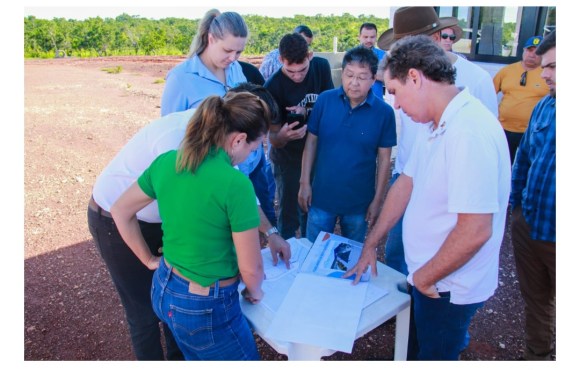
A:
<point x="287" y="93"/>
<point x="252" y="73"/>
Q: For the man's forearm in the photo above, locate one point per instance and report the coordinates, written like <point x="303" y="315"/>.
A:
<point x="383" y="172"/>
<point x="393" y="208"/>
<point x="308" y="158"/>
<point x="265" y="224"/>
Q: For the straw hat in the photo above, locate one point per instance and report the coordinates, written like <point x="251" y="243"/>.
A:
<point x="416" y="20"/>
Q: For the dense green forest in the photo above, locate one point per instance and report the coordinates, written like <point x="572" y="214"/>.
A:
<point x="133" y="35"/>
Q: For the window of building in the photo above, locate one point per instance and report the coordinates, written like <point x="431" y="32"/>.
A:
<point x="497" y="34"/>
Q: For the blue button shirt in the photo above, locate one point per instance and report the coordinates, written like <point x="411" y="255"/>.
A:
<point x="378" y="86"/>
<point x="270" y="64"/>
<point x="189" y="82"/>
<point x="346" y="155"/>
<point x="252" y="161"/>
<point x="534" y="172"/>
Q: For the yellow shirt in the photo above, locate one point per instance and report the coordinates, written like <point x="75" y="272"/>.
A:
<point x="515" y="108"/>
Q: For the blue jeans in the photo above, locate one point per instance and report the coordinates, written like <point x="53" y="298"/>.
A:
<point x="205" y="327"/>
<point x="394" y="250"/>
<point x="133" y="283"/>
<point x="353" y="227"/>
<point x="290" y="215"/>
<point x="265" y="188"/>
<point x="438" y="327"/>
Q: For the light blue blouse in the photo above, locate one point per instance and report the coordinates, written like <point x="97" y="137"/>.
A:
<point x="189" y="82"/>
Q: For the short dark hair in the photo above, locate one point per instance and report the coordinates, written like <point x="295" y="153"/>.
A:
<point x="422" y="53"/>
<point x="304" y="30"/>
<point x="547" y="43"/>
<point x="362" y="56"/>
<point x="368" y="26"/>
<point x="262" y="93"/>
<point x="293" y="48"/>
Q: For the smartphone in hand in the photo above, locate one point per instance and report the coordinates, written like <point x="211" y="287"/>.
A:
<point x="293" y="117"/>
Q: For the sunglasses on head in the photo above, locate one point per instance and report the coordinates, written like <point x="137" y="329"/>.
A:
<point x="524" y="78"/>
<point x="444" y="36"/>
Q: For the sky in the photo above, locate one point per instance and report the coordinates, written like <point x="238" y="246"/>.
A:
<point x="190" y="9"/>
<point x="182" y="9"/>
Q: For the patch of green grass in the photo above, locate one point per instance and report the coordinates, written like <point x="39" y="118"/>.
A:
<point x="113" y="70"/>
<point x="159" y="81"/>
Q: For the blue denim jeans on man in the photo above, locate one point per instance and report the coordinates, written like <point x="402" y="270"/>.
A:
<point x="353" y="227"/>
<point x="438" y="327"/>
<point x="208" y="327"/>
<point x="133" y="283"/>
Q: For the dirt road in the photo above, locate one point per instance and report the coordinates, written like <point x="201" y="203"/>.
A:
<point x="77" y="117"/>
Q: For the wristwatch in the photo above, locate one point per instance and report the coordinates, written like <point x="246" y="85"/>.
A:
<point x="272" y="230"/>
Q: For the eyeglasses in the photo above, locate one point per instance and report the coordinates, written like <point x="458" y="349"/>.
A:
<point x="524" y="78"/>
<point x="444" y="36"/>
<point x="361" y="79"/>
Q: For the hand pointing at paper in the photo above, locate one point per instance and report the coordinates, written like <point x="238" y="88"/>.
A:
<point x="367" y="258"/>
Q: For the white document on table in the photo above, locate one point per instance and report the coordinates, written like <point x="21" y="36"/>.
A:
<point x="298" y="253"/>
<point x="279" y="278"/>
<point x="374" y="293"/>
<point x="275" y="292"/>
<point x="320" y="311"/>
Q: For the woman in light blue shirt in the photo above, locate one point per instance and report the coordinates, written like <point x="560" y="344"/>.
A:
<point x="211" y="67"/>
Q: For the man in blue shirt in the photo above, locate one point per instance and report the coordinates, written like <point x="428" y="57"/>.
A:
<point x="350" y="130"/>
<point x="533" y="201"/>
<point x="367" y="36"/>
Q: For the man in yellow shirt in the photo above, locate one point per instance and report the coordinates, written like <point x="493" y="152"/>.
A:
<point x="522" y="88"/>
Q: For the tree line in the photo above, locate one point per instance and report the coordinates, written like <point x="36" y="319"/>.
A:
<point x="132" y="35"/>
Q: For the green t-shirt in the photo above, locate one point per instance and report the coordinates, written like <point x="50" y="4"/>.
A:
<point x="199" y="212"/>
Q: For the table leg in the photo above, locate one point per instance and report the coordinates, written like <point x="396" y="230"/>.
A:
<point x="402" y="334"/>
<point x="304" y="352"/>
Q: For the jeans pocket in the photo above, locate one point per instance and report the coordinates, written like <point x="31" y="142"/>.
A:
<point x="192" y="328"/>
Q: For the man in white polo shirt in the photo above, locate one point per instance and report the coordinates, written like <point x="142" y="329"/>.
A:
<point x="455" y="189"/>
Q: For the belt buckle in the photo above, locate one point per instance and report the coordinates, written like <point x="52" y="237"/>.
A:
<point x="195" y="288"/>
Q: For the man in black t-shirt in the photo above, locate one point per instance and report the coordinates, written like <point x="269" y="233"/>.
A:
<point x="295" y="88"/>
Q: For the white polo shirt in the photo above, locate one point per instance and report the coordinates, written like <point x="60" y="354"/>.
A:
<point x="461" y="167"/>
<point x="160" y="136"/>
<point x="469" y="75"/>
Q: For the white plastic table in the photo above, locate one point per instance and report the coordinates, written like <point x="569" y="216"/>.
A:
<point x="396" y="303"/>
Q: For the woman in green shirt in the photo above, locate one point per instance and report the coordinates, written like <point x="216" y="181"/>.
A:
<point x="210" y="229"/>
